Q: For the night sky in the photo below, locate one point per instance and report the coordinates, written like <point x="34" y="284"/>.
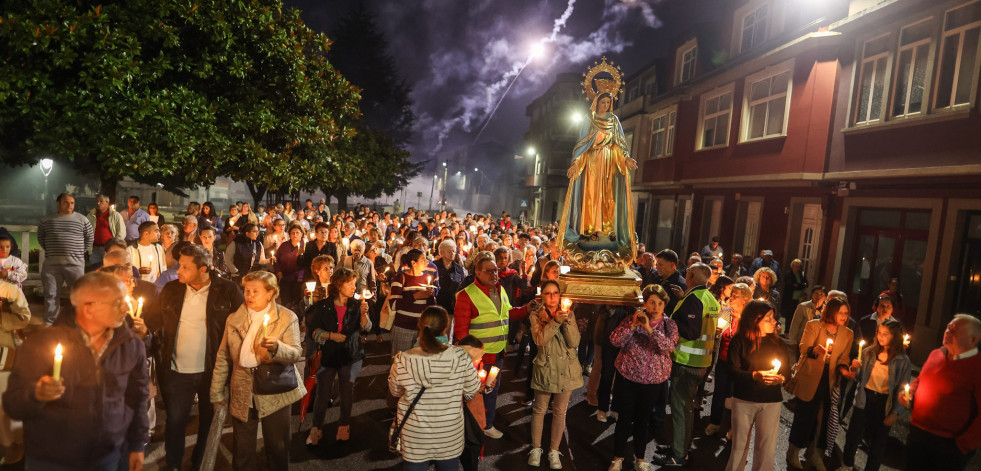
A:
<point x="460" y="55"/>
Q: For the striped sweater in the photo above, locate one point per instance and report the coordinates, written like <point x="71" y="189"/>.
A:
<point x="434" y="430"/>
<point x="65" y="238"/>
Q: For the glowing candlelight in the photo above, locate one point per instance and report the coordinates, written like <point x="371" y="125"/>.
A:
<point x="357" y="296"/>
<point x="493" y="374"/>
<point x="566" y="304"/>
<point x="129" y="302"/>
<point x="346" y="241"/>
<point x="861" y="345"/>
<point x="906" y="340"/>
<point x="723" y="323"/>
<point x="386" y="270"/>
<point x="761" y="299"/>
<point x="139" y="307"/>
<point x="827" y="348"/>
<point x="265" y="326"/>
<point x="539" y="291"/>
<point x="56" y="371"/>
<point x="906" y="392"/>
<point x="311" y="285"/>
<point x="482" y="374"/>
<point x="366" y="294"/>
<point x="776" y="367"/>
<point x="564" y="269"/>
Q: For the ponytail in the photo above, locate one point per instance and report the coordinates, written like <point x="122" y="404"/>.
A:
<point x="433" y="323"/>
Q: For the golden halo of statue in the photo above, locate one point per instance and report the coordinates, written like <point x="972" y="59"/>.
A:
<point x="593" y="85"/>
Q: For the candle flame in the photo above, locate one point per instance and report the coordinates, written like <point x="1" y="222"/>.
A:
<point x="58" y="351"/>
<point x="265" y="320"/>
<point x="861" y="343"/>
<point x="723" y="323"/>
<point x="311" y="285"/>
<point x="776" y="365"/>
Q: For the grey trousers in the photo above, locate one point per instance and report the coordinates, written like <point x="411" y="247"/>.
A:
<point x="53" y="277"/>
<point x="684" y="385"/>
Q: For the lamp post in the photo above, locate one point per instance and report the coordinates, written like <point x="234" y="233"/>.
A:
<point x="46" y="166"/>
<point x="442" y="202"/>
<point x="431" y="190"/>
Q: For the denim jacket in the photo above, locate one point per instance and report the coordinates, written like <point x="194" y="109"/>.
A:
<point x="900" y="370"/>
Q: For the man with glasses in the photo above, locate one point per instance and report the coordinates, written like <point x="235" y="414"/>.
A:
<point x="190" y="229"/>
<point x="102" y="421"/>
<point x="362" y="266"/>
<point x="484" y="311"/>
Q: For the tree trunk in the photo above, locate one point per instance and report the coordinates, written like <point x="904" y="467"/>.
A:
<point x="107" y="187"/>
<point x="342" y="201"/>
<point x="257" y="191"/>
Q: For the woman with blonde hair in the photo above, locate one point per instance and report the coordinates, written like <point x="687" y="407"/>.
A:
<point x="766" y="287"/>
<point x="261" y="337"/>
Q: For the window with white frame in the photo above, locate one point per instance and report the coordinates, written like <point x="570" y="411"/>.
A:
<point x="766" y="101"/>
<point x="872" y="80"/>
<point x="956" y="74"/>
<point x="686" y="61"/>
<point x="662" y="132"/>
<point x="754" y="28"/>
<point x="911" y="68"/>
<point x="715" y="113"/>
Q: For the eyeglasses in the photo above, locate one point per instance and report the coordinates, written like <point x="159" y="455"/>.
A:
<point x="115" y="303"/>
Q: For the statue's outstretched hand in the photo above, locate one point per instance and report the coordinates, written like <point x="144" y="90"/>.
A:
<point x="631" y="164"/>
<point x="573" y="169"/>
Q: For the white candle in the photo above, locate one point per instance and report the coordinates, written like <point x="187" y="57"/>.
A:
<point x="861" y="345"/>
<point x="265" y="326"/>
<point x="827" y="348"/>
<point x="366" y="294"/>
<point x="566" y="304"/>
<point x="723" y="323"/>
<point x="776" y="367"/>
<point x="906" y="392"/>
<point x="906" y="340"/>
<point x="139" y="307"/>
<point x="129" y="303"/>
<point x="482" y="374"/>
<point x="56" y="371"/>
<point x="493" y="374"/>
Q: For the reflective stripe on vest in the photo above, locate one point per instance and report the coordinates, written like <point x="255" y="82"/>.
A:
<point x="490" y="326"/>
<point x="698" y="353"/>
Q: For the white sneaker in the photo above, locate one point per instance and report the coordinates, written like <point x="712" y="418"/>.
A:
<point x="601" y="416"/>
<point x="554" y="461"/>
<point x="535" y="457"/>
<point x="642" y="466"/>
<point x="493" y="433"/>
<point x="616" y="465"/>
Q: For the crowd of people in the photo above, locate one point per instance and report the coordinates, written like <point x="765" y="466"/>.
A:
<point x="258" y="310"/>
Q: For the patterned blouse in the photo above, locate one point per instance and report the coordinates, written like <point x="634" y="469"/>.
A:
<point x="645" y="358"/>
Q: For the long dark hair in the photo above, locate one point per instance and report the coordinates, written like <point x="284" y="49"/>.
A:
<point x="749" y="323"/>
<point x="895" y="346"/>
<point x="432" y="323"/>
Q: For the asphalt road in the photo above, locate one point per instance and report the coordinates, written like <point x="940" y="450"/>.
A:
<point x="588" y="444"/>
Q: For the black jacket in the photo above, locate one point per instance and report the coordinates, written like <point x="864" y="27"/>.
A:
<point x="104" y="406"/>
<point x="323" y="315"/>
<point x="163" y="317"/>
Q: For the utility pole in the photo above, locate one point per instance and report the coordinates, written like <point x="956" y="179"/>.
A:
<point x="442" y="203"/>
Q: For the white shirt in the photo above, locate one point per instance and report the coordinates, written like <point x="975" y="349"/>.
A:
<point x="148" y="257"/>
<point x="192" y="332"/>
<point x="247" y="356"/>
<point x="968" y="354"/>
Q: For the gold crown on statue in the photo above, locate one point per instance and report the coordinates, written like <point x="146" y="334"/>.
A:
<point x="593" y="85"/>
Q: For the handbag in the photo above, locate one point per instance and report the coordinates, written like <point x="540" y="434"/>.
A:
<point x="386" y="318"/>
<point x="395" y="433"/>
<point x="274" y="378"/>
<point x="791" y="383"/>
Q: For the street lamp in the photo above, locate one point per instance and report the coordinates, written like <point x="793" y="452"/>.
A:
<point x="46" y="166"/>
<point x="442" y="203"/>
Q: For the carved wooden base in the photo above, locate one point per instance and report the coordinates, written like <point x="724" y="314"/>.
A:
<point x="623" y="289"/>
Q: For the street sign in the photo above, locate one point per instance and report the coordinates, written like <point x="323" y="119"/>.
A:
<point x="524" y="203"/>
<point x="418" y="194"/>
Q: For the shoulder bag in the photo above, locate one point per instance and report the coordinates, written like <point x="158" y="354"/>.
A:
<point x="395" y="432"/>
<point x="791" y="383"/>
<point x="274" y="378"/>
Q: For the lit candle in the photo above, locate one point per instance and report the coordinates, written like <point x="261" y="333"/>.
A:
<point x="539" y="291"/>
<point x="311" y="285"/>
<point x="723" y="323"/>
<point x="129" y="303"/>
<point x="906" y="392"/>
<point x="861" y="345"/>
<point x="482" y="374"/>
<point x="827" y="348"/>
<point x="566" y="304"/>
<point x="386" y="270"/>
<point x="139" y="307"/>
<point x="150" y="261"/>
<point x="429" y="281"/>
<point x="776" y="367"/>
<point x="564" y="269"/>
<point x="366" y="294"/>
<point x="265" y="326"/>
<point x="357" y="296"/>
<point x="906" y="340"/>
<point x="493" y="374"/>
<point x="56" y="371"/>
<point x="761" y="299"/>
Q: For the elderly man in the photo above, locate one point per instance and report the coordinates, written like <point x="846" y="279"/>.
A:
<point x="696" y="317"/>
<point x="107" y="224"/>
<point x="945" y="425"/>
<point x="189" y="232"/>
<point x="88" y="408"/>
<point x="735" y="268"/>
<point x="189" y="316"/>
<point x="484" y="311"/>
<point x="65" y="236"/>
<point x="362" y="266"/>
<point x="765" y="260"/>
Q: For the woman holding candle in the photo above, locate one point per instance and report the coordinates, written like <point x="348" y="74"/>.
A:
<point x="759" y="361"/>
<point x="884" y="369"/>
<point x="555" y="372"/>
<point x="739" y="296"/>
<point x="242" y="349"/>
<point x="322" y="268"/>
<point x="154" y="211"/>
<point x="643" y="366"/>
<point x="437" y="376"/>
<point x="411" y="294"/>
<point x="336" y="324"/>
<point x="825" y="346"/>
<point x="209" y="217"/>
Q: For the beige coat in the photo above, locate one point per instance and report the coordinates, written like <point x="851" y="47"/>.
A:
<point x="283" y="325"/>
<point x="14" y="314"/>
<point x="556" y="369"/>
<point x="809" y="373"/>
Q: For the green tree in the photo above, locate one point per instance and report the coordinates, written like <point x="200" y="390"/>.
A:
<point x="168" y="91"/>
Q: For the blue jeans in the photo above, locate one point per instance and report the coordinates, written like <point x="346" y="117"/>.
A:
<point x="52" y="278"/>
<point x="441" y="465"/>
<point x="111" y="462"/>
<point x="490" y="398"/>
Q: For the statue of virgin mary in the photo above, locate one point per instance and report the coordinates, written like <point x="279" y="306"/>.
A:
<point x="597" y="226"/>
